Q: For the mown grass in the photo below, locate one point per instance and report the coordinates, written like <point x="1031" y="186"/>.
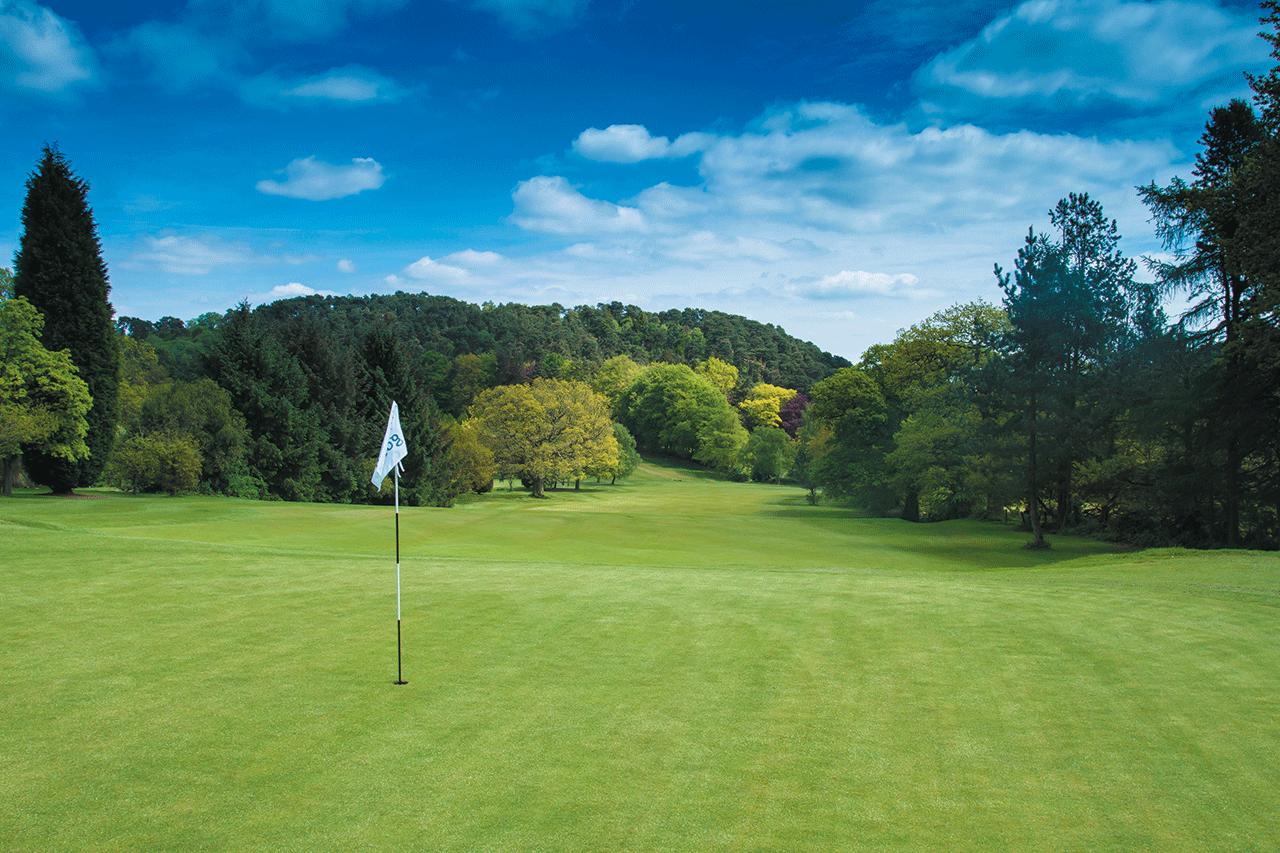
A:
<point x="669" y="664"/>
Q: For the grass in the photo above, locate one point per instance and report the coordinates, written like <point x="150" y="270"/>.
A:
<point x="673" y="663"/>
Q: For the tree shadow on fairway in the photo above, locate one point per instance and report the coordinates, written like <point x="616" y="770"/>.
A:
<point x="958" y="545"/>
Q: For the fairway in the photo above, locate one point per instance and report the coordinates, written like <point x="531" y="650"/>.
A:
<point x="671" y="663"/>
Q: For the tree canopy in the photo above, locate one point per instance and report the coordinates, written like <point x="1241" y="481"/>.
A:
<point x="43" y="400"/>
<point x="548" y="429"/>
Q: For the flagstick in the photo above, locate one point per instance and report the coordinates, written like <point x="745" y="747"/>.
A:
<point x="399" y="671"/>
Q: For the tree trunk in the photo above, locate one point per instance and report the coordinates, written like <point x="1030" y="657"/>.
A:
<point x="1064" y="497"/>
<point x="537" y="488"/>
<point x="577" y="485"/>
<point x="1033" y="500"/>
<point x="911" y="506"/>
<point x="1233" y="494"/>
<point x="10" y="464"/>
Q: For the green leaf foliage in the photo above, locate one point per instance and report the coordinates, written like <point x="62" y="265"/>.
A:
<point x="43" y="401"/>
<point x="671" y="409"/>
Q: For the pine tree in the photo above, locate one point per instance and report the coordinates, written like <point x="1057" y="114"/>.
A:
<point x="59" y="269"/>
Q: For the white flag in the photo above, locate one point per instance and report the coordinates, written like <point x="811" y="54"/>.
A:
<point x="393" y="448"/>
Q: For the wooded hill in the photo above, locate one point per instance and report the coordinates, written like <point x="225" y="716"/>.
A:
<point x="525" y="340"/>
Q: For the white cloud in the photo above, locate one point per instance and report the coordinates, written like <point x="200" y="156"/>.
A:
<point x="631" y="143"/>
<point x="829" y="166"/>
<point x="351" y="84"/>
<point x="550" y="204"/>
<point x="708" y="246"/>
<point x="1062" y="53"/>
<point x="189" y="255"/>
<point x="426" y="268"/>
<point x="289" y="291"/>
<point x="472" y="258"/>
<point x="346" y="265"/>
<point x="199" y="255"/>
<point x="41" y="51"/>
<point x="853" y="283"/>
<point x="316" y="180"/>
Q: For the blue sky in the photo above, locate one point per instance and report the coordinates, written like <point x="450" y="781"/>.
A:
<point x="843" y="170"/>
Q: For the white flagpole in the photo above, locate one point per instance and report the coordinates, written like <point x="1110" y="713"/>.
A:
<point x="399" y="670"/>
<point x="389" y="461"/>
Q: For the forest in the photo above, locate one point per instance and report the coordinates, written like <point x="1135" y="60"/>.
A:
<point x="1073" y="404"/>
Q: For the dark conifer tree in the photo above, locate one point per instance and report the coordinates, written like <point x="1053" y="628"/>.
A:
<point x="390" y="376"/>
<point x="59" y="269"/>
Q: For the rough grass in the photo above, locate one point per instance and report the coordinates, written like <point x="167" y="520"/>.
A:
<point x="670" y="664"/>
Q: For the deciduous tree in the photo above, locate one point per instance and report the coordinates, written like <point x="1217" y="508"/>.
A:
<point x="43" y="400"/>
<point x="548" y="429"/>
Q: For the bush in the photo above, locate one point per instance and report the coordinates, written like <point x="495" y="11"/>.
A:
<point x="156" y="462"/>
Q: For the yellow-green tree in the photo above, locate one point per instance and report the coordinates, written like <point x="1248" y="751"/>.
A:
<point x="44" y="403"/>
<point x="614" y="376"/>
<point x="762" y="405"/>
<point x="469" y="459"/>
<point x="721" y="374"/>
<point x="548" y="429"/>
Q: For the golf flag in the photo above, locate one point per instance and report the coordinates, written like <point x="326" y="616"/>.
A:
<point x="393" y="448"/>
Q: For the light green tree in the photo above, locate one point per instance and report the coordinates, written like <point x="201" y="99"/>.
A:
<point x="155" y="462"/>
<point x="671" y="409"/>
<point x="768" y="454"/>
<point x="43" y="401"/>
<point x="614" y="376"/>
<point x="470" y="460"/>
<point x="721" y="374"/>
<point x="763" y="404"/>
<point x="548" y="429"/>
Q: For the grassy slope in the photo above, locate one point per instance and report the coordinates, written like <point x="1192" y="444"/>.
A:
<point x="670" y="664"/>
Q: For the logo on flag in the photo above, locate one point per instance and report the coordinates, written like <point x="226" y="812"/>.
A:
<point x="393" y="448"/>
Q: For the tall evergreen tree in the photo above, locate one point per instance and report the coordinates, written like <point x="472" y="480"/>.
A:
<point x="390" y="376"/>
<point x="59" y="269"/>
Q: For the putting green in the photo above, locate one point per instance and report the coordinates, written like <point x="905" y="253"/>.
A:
<point x="674" y="663"/>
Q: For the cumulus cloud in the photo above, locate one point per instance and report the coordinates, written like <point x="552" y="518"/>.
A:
<point x="351" y="84"/>
<point x="533" y="17"/>
<point x="346" y="265"/>
<point x="1060" y="53"/>
<point x="425" y="268"/>
<point x="829" y="166"/>
<point x="631" y="143"/>
<point x="289" y="291"/>
<point x="550" y="204"/>
<point x="40" y="51"/>
<point x="316" y="180"/>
